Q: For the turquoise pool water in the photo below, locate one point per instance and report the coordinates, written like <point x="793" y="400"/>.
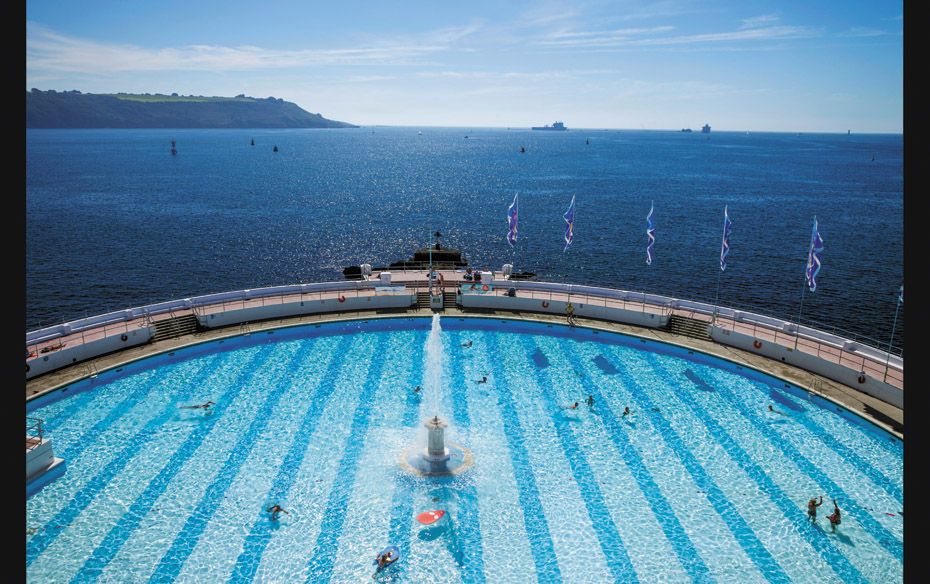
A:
<point x="700" y="483"/>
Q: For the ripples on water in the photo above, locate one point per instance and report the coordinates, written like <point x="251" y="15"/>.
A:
<point x="113" y="220"/>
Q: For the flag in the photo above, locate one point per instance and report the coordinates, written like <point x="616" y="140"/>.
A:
<point x="569" y="229"/>
<point x="512" y="222"/>
<point x="813" y="257"/>
<point x="901" y="295"/>
<point x="725" y="245"/>
<point x="650" y="233"/>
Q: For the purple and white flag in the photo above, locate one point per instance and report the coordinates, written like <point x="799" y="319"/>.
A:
<point x="570" y="228"/>
<point x="650" y="233"/>
<point x="512" y="222"/>
<point x="813" y="258"/>
<point x="725" y="244"/>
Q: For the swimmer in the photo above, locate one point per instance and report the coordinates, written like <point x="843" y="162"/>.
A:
<point x="417" y="389"/>
<point x="482" y="380"/>
<point x="466" y="343"/>
<point x="276" y="510"/>
<point x="626" y="411"/>
<point x="574" y="406"/>
<point x="834" y="517"/>
<point x="774" y="411"/>
<point x="812" y="506"/>
<point x="590" y="401"/>
<point x="204" y="406"/>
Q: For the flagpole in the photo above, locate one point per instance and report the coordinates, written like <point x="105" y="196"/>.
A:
<point x="797" y="330"/>
<point x="893" y="325"/>
<point x="713" y="321"/>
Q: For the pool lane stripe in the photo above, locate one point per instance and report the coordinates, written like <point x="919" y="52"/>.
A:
<point x="467" y="529"/>
<point x="260" y="533"/>
<point x="793" y="514"/>
<point x="742" y="532"/>
<point x="884" y="537"/>
<point x="615" y="553"/>
<point x="848" y="454"/>
<point x="186" y="540"/>
<point x="534" y="518"/>
<point x="84" y="497"/>
<point x="688" y="555"/>
<point x="400" y="529"/>
<point x="323" y="556"/>
<point x="91" y="436"/>
<point x="80" y="401"/>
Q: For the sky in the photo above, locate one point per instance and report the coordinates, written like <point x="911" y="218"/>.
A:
<point x="747" y="65"/>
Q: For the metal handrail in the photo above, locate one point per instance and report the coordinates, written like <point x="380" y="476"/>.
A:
<point x="36" y="425"/>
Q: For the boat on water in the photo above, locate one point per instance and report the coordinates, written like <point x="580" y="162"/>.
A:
<point x="557" y="126"/>
<point x="705" y="129"/>
<point x="436" y="256"/>
<point x="686" y="130"/>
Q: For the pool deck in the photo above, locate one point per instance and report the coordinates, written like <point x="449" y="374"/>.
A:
<point x="884" y="415"/>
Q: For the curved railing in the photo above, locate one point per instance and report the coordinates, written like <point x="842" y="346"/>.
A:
<point x="879" y="364"/>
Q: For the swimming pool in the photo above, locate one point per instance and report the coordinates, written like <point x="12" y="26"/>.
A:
<point x="700" y="483"/>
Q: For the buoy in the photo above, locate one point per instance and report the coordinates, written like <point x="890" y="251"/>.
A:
<point x="430" y="517"/>
<point x="485" y="288"/>
<point x="757" y="344"/>
<point x="545" y="304"/>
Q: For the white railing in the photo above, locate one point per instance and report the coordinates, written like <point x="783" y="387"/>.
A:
<point x="853" y="354"/>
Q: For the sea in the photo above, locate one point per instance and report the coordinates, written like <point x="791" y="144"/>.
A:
<point x="114" y="220"/>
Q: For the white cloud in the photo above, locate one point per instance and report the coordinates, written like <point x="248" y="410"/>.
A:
<point x="48" y="51"/>
<point x="595" y="40"/>
<point x="860" y="32"/>
<point x="757" y="21"/>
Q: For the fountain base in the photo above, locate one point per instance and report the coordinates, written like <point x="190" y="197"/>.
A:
<point x="421" y="463"/>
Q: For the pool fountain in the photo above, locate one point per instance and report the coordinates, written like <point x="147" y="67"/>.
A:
<point x="438" y="458"/>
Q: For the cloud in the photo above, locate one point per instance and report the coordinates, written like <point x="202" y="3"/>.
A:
<point x="861" y="32"/>
<point x="48" y="51"/>
<point x="757" y="21"/>
<point x="600" y="40"/>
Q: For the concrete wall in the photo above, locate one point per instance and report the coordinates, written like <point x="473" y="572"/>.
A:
<point x="556" y="307"/>
<point x="306" y="307"/>
<point x="68" y="355"/>
<point x="839" y="373"/>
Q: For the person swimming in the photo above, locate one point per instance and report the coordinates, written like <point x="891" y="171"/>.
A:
<point x="203" y="406"/>
<point x="590" y="401"/>
<point x="276" y="511"/>
<point x="417" y="389"/>
<point x="467" y="343"/>
<point x="834" y="517"/>
<point x="626" y="411"/>
<point x="812" y="506"/>
<point x="482" y="380"/>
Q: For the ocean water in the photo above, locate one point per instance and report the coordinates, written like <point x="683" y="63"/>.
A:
<point x="114" y="221"/>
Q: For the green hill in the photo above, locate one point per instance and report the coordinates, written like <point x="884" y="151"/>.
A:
<point x="73" y="109"/>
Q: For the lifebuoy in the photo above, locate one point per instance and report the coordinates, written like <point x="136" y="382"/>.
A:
<point x="861" y="378"/>
<point x="545" y="304"/>
<point x="342" y="298"/>
<point x="123" y="337"/>
<point x="757" y="344"/>
<point x="485" y="288"/>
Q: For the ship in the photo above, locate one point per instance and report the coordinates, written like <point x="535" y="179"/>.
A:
<point x="705" y="129"/>
<point x="686" y="130"/>
<point x="436" y="255"/>
<point x="559" y="126"/>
